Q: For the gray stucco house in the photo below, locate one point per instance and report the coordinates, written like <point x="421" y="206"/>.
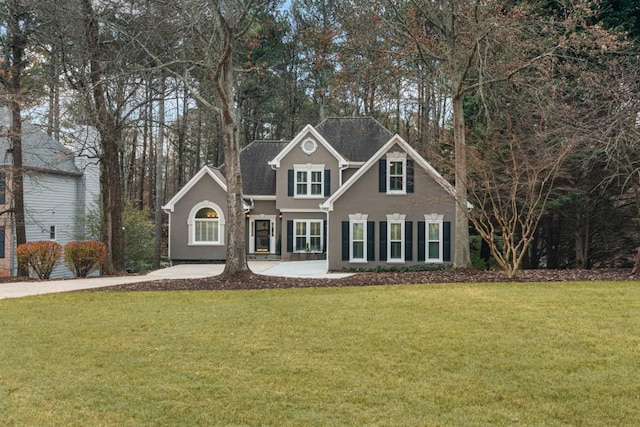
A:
<point x="61" y="187"/>
<point x="346" y="190"/>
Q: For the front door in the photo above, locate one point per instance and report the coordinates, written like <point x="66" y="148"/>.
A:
<point x="263" y="235"/>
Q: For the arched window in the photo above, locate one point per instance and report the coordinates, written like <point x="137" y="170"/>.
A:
<point x="206" y="224"/>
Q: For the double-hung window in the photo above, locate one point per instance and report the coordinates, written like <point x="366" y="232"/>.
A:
<point x="433" y="241"/>
<point x="397" y="176"/>
<point x="309" y="181"/>
<point x="358" y="241"/>
<point x="308" y="235"/>
<point x="395" y="239"/>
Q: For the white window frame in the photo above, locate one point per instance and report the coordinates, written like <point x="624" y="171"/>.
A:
<point x="53" y="233"/>
<point x="191" y="225"/>
<point x="397" y="157"/>
<point x="308" y="171"/>
<point x="433" y="219"/>
<point x="307" y="235"/>
<point x="393" y="220"/>
<point x="353" y="220"/>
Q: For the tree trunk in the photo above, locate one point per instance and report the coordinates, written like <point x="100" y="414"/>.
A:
<point x="14" y="87"/>
<point x="158" y="205"/>
<point x="236" y="260"/>
<point x="636" y="266"/>
<point x="462" y="256"/>
<point x="110" y="135"/>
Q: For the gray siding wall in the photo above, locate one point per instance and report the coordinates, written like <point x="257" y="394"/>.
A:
<point x="179" y="248"/>
<point x="50" y="200"/>
<point x="363" y="197"/>
<point x="297" y="156"/>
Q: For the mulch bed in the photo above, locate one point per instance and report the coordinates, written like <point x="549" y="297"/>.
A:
<point x="257" y="281"/>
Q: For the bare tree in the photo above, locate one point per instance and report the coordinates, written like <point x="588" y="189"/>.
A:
<point x="18" y="29"/>
<point x="212" y="30"/>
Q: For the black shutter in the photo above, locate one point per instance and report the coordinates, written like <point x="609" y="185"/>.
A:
<point x="3" y="188"/>
<point x="383" y="240"/>
<point x="421" y="241"/>
<point x="290" y="182"/>
<point x="324" y="235"/>
<point x="371" y="240"/>
<point x="410" y="175"/>
<point x="382" y="175"/>
<point x="446" y="241"/>
<point x="2" y="237"/>
<point x="327" y="183"/>
<point x="289" y="236"/>
<point x="408" y="241"/>
<point x="345" y="240"/>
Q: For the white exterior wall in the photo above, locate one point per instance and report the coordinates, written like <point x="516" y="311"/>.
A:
<point x="50" y="200"/>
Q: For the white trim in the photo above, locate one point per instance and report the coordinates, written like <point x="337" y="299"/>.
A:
<point x="308" y="150"/>
<point x="217" y="177"/>
<point x="307" y="132"/>
<point x="272" y="231"/>
<point x="295" y="210"/>
<point x="191" y="229"/>
<point x="396" y="219"/>
<point x="402" y="161"/>
<point x="358" y="219"/>
<point x="307" y="235"/>
<point x="433" y="219"/>
<point x="396" y="139"/>
<point x="308" y="168"/>
<point x="261" y="197"/>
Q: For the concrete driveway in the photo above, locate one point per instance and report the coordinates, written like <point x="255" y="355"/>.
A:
<point x="308" y="269"/>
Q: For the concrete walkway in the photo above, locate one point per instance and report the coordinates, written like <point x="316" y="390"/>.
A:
<point x="308" y="269"/>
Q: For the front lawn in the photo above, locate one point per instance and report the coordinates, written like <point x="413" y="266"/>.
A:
<point x="478" y="354"/>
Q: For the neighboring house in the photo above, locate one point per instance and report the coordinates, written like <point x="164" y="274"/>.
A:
<point x="61" y="187"/>
<point x="346" y="190"/>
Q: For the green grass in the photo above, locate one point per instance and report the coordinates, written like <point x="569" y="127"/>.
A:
<point x="485" y="354"/>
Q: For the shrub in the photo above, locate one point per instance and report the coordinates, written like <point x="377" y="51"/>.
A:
<point x="84" y="257"/>
<point x="41" y="257"/>
<point x="139" y="240"/>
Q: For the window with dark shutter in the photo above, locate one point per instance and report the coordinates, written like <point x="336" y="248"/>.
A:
<point x="410" y="175"/>
<point x="327" y="183"/>
<point x="290" y="236"/>
<point x="446" y="241"/>
<point x="382" y="175"/>
<point x="3" y="188"/>
<point x="2" y="238"/>
<point x="421" y="241"/>
<point x="290" y="182"/>
<point x="371" y="241"/>
<point x="383" y="240"/>
<point x="408" y="241"/>
<point x="345" y="240"/>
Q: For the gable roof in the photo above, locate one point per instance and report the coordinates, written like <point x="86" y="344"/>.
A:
<point x="213" y="173"/>
<point x="417" y="158"/>
<point x="40" y="152"/>
<point x="355" y="138"/>
<point x="261" y="178"/>
<point x="301" y="136"/>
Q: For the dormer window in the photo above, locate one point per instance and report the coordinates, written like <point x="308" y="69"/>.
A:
<point x="309" y="181"/>
<point x="397" y="176"/>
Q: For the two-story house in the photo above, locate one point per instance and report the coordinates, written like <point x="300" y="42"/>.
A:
<point x="61" y="188"/>
<point x="347" y="190"/>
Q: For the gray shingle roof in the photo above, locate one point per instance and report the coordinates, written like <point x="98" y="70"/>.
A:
<point x="258" y="178"/>
<point x="355" y="138"/>
<point x="40" y="152"/>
